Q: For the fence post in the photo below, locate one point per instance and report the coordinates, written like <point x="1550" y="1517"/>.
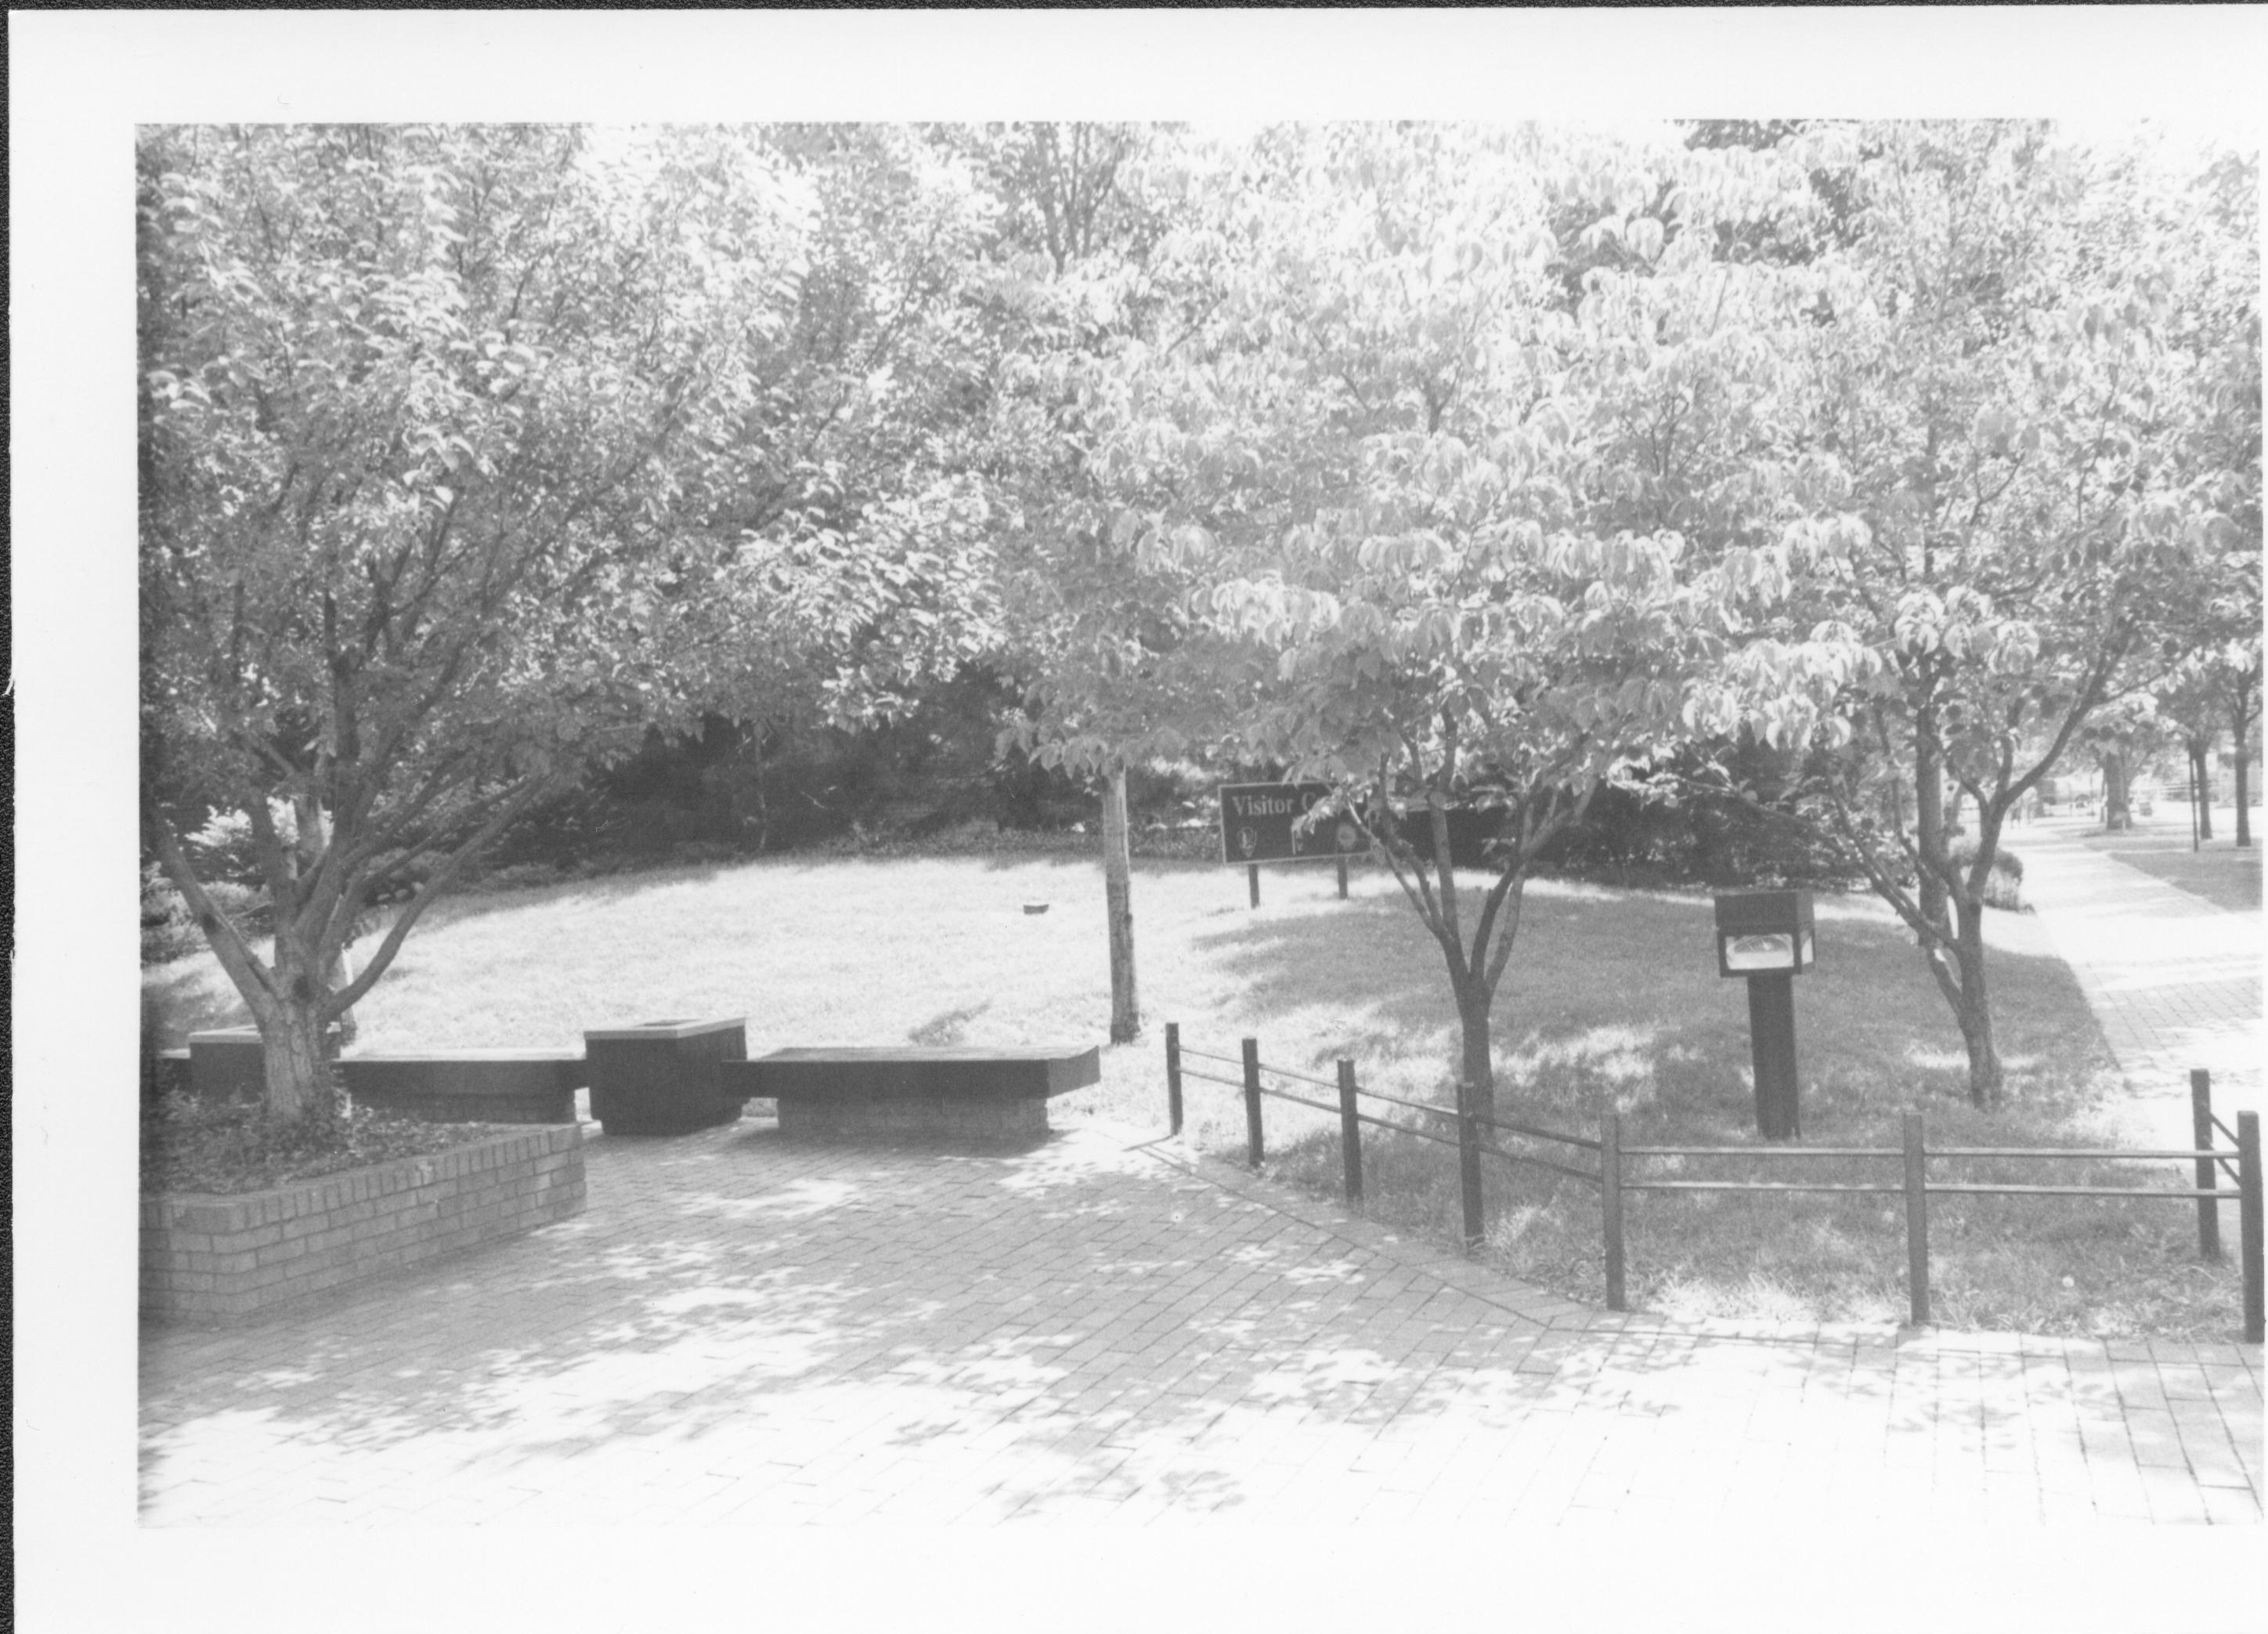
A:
<point x="1610" y="1197"/>
<point x="1469" y="1169"/>
<point x="1173" y="1077"/>
<point x="1917" y="1220"/>
<point x="1350" y="1134"/>
<point x="1253" y="1151"/>
<point x="1252" y="878"/>
<point x="2201" y="1120"/>
<point x="2248" y="1220"/>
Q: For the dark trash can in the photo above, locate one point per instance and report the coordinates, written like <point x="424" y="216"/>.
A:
<point x="662" y="1078"/>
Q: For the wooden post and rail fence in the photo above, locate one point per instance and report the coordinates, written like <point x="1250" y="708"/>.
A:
<point x="1615" y="1176"/>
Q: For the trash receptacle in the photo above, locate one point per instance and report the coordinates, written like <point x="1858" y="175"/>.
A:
<point x="662" y="1078"/>
<point x="228" y="1063"/>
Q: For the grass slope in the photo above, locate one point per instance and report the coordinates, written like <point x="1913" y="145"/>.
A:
<point x="2159" y="846"/>
<point x="1612" y="1002"/>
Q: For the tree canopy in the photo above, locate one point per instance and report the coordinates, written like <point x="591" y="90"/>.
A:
<point x="1463" y="466"/>
<point x="2007" y="375"/>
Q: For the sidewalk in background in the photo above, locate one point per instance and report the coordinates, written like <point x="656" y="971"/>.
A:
<point x="2174" y="982"/>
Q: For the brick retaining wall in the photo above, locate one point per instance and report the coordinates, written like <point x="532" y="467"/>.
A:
<point x="210" y="1256"/>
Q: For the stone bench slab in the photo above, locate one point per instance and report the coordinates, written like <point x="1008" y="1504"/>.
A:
<point x="961" y="1093"/>
<point x="470" y="1085"/>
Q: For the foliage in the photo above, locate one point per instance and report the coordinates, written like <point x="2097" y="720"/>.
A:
<point x="429" y="418"/>
<point x="1484" y="540"/>
<point x="193" y="1145"/>
<point x="1691" y="831"/>
<point x="1618" y="494"/>
<point x="2004" y="876"/>
<point x="864" y="528"/>
<point x="1120" y="666"/>
<point x="2003" y="374"/>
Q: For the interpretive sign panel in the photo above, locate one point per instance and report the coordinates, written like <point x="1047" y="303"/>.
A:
<point x="1265" y="823"/>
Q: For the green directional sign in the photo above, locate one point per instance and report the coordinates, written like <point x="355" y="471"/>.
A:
<point x="1261" y="822"/>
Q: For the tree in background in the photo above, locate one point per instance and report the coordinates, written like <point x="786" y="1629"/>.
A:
<point x="1118" y="667"/>
<point x="2001" y="379"/>
<point x="1486" y="537"/>
<point x="2243" y="691"/>
<point x="2213" y="650"/>
<point x="853" y="483"/>
<point x="2126" y="737"/>
<point x="432" y="426"/>
<point x="2226" y="340"/>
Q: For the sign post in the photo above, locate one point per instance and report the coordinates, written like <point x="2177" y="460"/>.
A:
<point x="1767" y="935"/>
<point x="1266" y="822"/>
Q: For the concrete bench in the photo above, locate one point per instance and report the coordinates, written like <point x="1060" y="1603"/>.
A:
<point x="510" y="1086"/>
<point x="962" y="1094"/>
<point x="470" y="1085"/>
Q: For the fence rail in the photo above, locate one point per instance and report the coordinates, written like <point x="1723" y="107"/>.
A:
<point x="1914" y="1155"/>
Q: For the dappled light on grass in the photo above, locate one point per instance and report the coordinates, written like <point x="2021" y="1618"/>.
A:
<point x="1604" y="1069"/>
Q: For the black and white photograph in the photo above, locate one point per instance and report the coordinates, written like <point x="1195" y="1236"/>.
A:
<point x="1072" y="819"/>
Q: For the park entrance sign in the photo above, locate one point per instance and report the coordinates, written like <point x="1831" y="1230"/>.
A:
<point x="1268" y="822"/>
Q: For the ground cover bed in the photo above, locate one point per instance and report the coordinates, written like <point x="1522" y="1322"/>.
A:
<point x="1613" y="1002"/>
<point x="189" y="1145"/>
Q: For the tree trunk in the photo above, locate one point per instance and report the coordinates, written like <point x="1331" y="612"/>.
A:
<point x="315" y="840"/>
<point x="342" y="975"/>
<point x="1959" y="919"/>
<point x="1974" y="1012"/>
<point x="1477" y="1064"/>
<point x="296" y="1062"/>
<point x="1929" y="815"/>
<point x="1118" y="896"/>
<point x="2118" y="810"/>
<point x="2240" y="722"/>
<point x="2200" y="787"/>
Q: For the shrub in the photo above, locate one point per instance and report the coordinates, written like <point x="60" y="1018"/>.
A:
<point x="222" y="849"/>
<point x="2002" y="885"/>
<point x="169" y="930"/>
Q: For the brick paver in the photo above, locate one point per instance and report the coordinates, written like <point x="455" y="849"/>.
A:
<point x="2174" y="980"/>
<point x="743" y="1331"/>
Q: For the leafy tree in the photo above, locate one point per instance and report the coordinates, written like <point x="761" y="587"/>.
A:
<point x="1998" y="372"/>
<point x="2214" y="654"/>
<point x="1486" y="541"/>
<point x="2125" y="736"/>
<point x="2243" y="694"/>
<point x="2191" y="705"/>
<point x="435" y="427"/>
<point x="2226" y="339"/>
<point x="858" y="493"/>
<point x="854" y="484"/>
<point x="1119" y="668"/>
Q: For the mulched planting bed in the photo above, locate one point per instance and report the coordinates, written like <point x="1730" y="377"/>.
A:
<point x="187" y="1145"/>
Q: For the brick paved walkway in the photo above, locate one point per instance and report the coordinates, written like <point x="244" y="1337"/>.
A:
<point x="742" y="1330"/>
<point x="2174" y="980"/>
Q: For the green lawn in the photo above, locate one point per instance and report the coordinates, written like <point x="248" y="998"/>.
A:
<point x="2216" y="870"/>
<point x="1613" y="1001"/>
